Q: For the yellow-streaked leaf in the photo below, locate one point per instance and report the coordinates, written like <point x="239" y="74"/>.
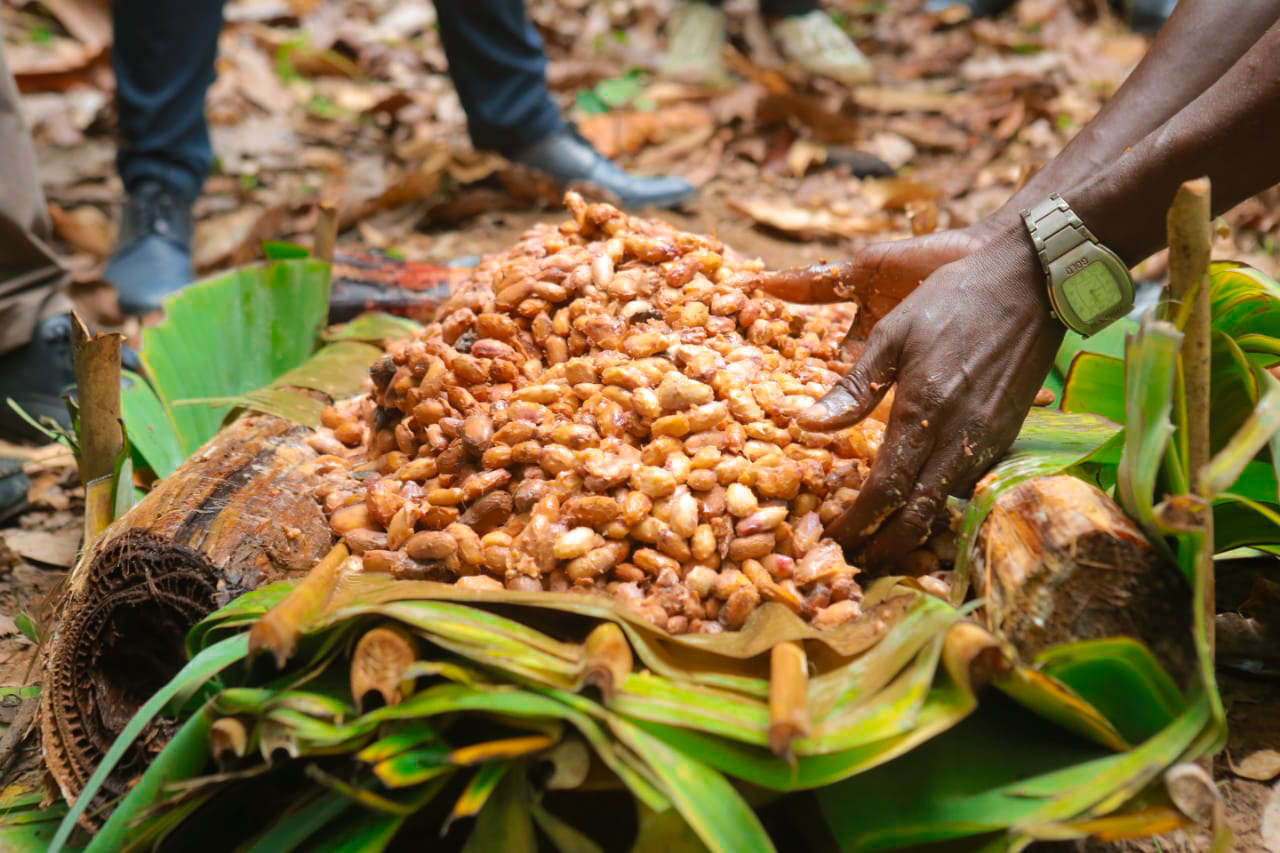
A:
<point x="495" y="750"/>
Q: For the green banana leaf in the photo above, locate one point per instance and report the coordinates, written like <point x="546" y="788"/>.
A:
<point x="1245" y="339"/>
<point x="672" y="739"/>
<point x="221" y="337"/>
<point x="245" y="339"/>
<point x="1151" y="362"/>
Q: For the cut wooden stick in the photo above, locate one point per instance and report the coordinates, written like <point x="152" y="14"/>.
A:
<point x="379" y="663"/>
<point x="788" y="698"/>
<point x="1190" y="233"/>
<point x="326" y="234"/>
<point x="607" y="659"/>
<point x="97" y="367"/>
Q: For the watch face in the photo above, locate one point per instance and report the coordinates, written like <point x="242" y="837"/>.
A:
<point x="1092" y="292"/>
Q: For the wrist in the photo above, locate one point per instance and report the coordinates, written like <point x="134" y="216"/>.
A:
<point x="1024" y="274"/>
<point x="1088" y="285"/>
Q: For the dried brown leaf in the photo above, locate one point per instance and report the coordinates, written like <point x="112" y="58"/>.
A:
<point x="85" y="228"/>
<point x="58" y="548"/>
<point x="1262" y="765"/>
<point x="56" y="65"/>
<point x="87" y="20"/>
<point x="807" y="222"/>
<point x="901" y="100"/>
<point x="626" y="132"/>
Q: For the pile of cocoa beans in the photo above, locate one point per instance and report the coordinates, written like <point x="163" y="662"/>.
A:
<point x="609" y="408"/>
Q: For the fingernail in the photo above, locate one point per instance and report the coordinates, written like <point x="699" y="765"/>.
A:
<point x="820" y="414"/>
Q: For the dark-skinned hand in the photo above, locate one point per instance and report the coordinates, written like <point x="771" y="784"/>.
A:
<point x="967" y="350"/>
<point x="876" y="278"/>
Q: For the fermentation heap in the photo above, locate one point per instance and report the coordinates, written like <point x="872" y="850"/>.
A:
<point x="609" y="407"/>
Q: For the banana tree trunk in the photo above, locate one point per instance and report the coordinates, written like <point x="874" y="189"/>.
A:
<point x="1058" y="561"/>
<point x="239" y="514"/>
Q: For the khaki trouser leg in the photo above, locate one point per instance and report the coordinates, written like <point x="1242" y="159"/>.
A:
<point x="31" y="279"/>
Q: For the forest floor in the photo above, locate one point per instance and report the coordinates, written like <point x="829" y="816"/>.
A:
<point x="348" y="102"/>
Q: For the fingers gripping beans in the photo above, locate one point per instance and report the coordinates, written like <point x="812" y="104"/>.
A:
<point x="607" y="408"/>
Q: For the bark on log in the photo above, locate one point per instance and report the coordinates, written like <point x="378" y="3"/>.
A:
<point x="242" y="512"/>
<point x="1058" y="561"/>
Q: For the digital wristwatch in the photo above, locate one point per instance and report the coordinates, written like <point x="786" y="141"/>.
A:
<point x="1089" y="286"/>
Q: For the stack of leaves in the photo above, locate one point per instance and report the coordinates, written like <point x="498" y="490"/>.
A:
<point x="406" y="709"/>
<point x="610" y="407"/>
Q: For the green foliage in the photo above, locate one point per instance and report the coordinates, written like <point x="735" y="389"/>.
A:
<point x="246" y="339"/>
<point x="281" y="250"/>
<point x="220" y="338"/>
<point x="682" y="732"/>
<point x="616" y="93"/>
<point x="30" y="629"/>
<point x="1245" y="329"/>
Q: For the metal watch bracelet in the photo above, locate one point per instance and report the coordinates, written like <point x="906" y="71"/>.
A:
<point x="1054" y="229"/>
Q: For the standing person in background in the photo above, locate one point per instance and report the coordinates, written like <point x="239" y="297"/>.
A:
<point x="806" y="35"/>
<point x="35" y="331"/>
<point x="1142" y="15"/>
<point x="164" y="56"/>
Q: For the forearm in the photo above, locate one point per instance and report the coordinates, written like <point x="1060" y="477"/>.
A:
<point x="1202" y="40"/>
<point x="1228" y="133"/>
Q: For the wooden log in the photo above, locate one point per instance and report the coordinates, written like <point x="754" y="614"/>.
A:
<point x="1058" y="561"/>
<point x="240" y="513"/>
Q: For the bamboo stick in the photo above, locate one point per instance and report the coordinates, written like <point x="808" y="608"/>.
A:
<point x="1189" y="230"/>
<point x="96" y="359"/>
<point x="326" y="232"/>
<point x="788" y="698"/>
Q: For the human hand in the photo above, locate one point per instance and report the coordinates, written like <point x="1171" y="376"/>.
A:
<point x="967" y="350"/>
<point x="876" y="278"/>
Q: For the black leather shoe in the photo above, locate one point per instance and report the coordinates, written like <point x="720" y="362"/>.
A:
<point x="1147" y="16"/>
<point x="569" y="158"/>
<point x="37" y="376"/>
<point x="977" y="8"/>
<point x="152" y="258"/>
<point x="13" y="488"/>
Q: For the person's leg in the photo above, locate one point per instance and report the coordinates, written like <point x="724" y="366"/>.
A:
<point x="498" y="67"/>
<point x="814" y="43"/>
<point x="163" y="56"/>
<point x="31" y="279"/>
<point x="35" y="364"/>
<point x="787" y="8"/>
<point x="500" y="71"/>
<point x="695" y="43"/>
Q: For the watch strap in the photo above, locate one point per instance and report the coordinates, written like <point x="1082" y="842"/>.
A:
<point x="1055" y="229"/>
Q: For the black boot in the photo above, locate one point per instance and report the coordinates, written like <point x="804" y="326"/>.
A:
<point x="13" y="488"/>
<point x="569" y="158"/>
<point x="152" y="258"/>
<point x="37" y="376"/>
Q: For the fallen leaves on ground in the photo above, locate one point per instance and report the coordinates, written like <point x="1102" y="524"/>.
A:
<point x="344" y="100"/>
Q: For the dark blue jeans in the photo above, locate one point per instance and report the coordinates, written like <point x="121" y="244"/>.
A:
<point x="498" y="67"/>
<point x="164" y="53"/>
<point x="163" y="58"/>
